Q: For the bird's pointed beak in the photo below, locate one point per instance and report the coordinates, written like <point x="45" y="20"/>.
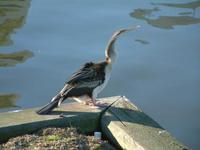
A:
<point x="132" y="28"/>
<point x="119" y="32"/>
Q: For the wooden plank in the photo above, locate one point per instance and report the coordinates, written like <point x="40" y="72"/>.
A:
<point x="85" y="118"/>
<point x="129" y="128"/>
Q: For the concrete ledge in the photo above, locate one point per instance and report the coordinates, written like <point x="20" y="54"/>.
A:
<point x="85" y="118"/>
<point x="129" y="128"/>
<point x="122" y="122"/>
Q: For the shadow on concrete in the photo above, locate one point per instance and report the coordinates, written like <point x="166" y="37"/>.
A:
<point x="124" y="115"/>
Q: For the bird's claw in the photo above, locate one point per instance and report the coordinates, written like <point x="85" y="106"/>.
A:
<point x="101" y="104"/>
<point x="96" y="104"/>
<point x="61" y="115"/>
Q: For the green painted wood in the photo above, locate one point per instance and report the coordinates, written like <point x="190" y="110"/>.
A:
<point x="131" y="129"/>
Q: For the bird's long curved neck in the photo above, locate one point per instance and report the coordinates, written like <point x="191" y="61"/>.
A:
<point x="110" y="50"/>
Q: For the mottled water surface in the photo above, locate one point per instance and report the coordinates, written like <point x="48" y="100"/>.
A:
<point x="43" y="42"/>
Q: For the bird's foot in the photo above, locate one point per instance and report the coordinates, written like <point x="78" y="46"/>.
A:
<point x="91" y="104"/>
<point x="101" y="104"/>
<point x="95" y="104"/>
<point x="88" y="103"/>
<point x="62" y="115"/>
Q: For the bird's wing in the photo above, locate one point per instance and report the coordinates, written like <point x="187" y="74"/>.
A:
<point x="90" y="75"/>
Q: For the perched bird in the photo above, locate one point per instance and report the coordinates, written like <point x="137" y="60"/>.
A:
<point x="89" y="80"/>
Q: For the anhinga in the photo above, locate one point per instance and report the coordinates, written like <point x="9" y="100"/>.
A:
<point x="88" y="81"/>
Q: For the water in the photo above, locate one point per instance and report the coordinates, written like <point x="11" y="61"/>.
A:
<point x="44" y="42"/>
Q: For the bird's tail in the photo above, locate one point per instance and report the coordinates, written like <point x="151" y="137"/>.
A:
<point x="50" y="106"/>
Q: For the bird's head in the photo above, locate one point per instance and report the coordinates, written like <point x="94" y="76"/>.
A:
<point x="120" y="31"/>
<point x="110" y="50"/>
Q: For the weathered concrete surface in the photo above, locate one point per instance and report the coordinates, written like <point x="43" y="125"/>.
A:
<point x="131" y="129"/>
<point x="122" y="122"/>
<point x="17" y="123"/>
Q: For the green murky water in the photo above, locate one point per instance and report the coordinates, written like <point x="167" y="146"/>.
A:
<point x="43" y="42"/>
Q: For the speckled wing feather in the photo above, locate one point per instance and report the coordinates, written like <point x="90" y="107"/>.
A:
<point x="90" y="74"/>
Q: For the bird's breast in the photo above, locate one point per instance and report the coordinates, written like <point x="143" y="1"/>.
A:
<point x="99" y="88"/>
